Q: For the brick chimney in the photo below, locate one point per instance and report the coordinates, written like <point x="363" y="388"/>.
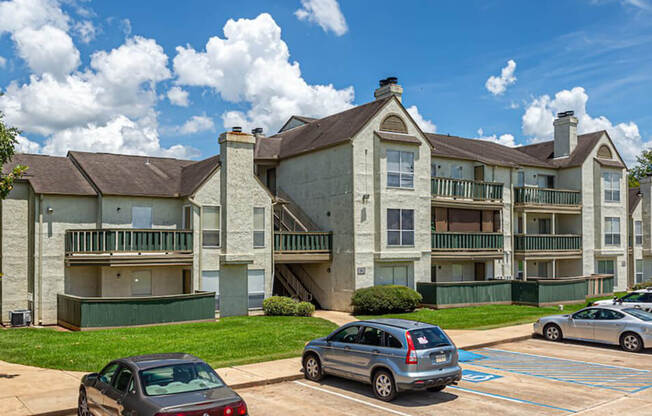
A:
<point x="565" y="134"/>
<point x="388" y="87"/>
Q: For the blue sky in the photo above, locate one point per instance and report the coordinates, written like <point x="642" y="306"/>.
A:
<point x="136" y="77"/>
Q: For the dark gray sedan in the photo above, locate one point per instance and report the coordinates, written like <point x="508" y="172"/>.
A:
<point x="159" y="384"/>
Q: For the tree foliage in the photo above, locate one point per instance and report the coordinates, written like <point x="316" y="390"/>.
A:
<point x="7" y="144"/>
<point x="642" y="169"/>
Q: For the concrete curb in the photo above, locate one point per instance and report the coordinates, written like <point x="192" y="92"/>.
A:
<point x="497" y="342"/>
<point x="64" y="412"/>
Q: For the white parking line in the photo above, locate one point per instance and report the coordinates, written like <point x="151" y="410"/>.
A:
<point x="353" y="399"/>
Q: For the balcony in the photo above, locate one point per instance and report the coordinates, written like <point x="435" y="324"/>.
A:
<point x="460" y="245"/>
<point x="552" y="244"/>
<point x="530" y="196"/>
<point x="126" y="245"/>
<point x="300" y="247"/>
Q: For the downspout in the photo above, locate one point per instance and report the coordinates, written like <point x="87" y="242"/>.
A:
<point x="195" y="203"/>
<point x="511" y="223"/>
<point x="40" y="259"/>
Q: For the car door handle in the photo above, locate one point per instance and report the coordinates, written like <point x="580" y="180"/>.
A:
<point x="376" y="351"/>
<point x="346" y="347"/>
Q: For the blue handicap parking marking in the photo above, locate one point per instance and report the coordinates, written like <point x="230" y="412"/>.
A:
<point x="467" y="356"/>
<point x="478" y="376"/>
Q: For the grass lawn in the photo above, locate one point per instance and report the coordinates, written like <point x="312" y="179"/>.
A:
<point x="231" y="341"/>
<point x="481" y="317"/>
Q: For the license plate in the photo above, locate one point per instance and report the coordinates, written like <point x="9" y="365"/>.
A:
<point x="440" y="358"/>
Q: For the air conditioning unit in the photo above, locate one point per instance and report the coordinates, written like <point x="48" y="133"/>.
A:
<point x="20" y="317"/>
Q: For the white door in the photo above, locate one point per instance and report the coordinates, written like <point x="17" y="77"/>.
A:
<point x="210" y="282"/>
<point x="457" y="273"/>
<point x="256" y="285"/>
<point x="141" y="217"/>
<point x="401" y="276"/>
<point x="141" y="283"/>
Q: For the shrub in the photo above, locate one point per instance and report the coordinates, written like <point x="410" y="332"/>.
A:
<point x="642" y="285"/>
<point x="305" y="309"/>
<point x="279" y="306"/>
<point x="378" y="300"/>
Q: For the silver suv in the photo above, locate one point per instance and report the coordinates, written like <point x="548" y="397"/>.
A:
<point x="391" y="354"/>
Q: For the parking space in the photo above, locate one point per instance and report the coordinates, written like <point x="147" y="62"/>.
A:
<point x="533" y="377"/>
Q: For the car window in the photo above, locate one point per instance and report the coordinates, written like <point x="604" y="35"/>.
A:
<point x="179" y="378"/>
<point x="392" y="342"/>
<point x="107" y="374"/>
<point x="371" y="336"/>
<point x="427" y="338"/>
<point x="608" y="314"/>
<point x="633" y="297"/>
<point x="646" y="298"/>
<point x="348" y="335"/>
<point x="642" y="315"/>
<point x="122" y="380"/>
<point x="586" y="314"/>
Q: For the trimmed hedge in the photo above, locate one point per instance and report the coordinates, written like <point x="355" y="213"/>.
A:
<point x="285" y="306"/>
<point x="643" y="285"/>
<point x="378" y="300"/>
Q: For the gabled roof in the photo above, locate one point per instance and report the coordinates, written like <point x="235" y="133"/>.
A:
<point x="633" y="198"/>
<point x="320" y="133"/>
<point x="51" y="175"/>
<point x="194" y="175"/>
<point x="295" y="121"/>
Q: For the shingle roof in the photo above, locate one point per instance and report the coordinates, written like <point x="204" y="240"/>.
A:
<point x="321" y="133"/>
<point x="193" y="175"/>
<point x="51" y="175"/>
<point x="395" y="137"/>
<point x="633" y="198"/>
<point x="545" y="150"/>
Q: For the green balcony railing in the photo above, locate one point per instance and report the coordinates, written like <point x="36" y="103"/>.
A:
<point x="313" y="242"/>
<point x="466" y="241"/>
<point x="547" y="242"/>
<point x="466" y="189"/>
<point x="128" y="241"/>
<point x="547" y="196"/>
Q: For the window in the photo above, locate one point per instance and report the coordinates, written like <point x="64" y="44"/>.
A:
<point x="400" y="169"/>
<point x="544" y="226"/>
<point x="605" y="267"/>
<point x="587" y="314"/>
<point x="400" y="227"/>
<point x="122" y="380"/>
<point x="392" y="275"/>
<point x="546" y="181"/>
<point x="393" y="123"/>
<point x="639" y="271"/>
<point x="608" y="314"/>
<point x="520" y="178"/>
<point x="604" y="152"/>
<point x="141" y="217"/>
<point x="427" y="338"/>
<point x="392" y="342"/>
<point x="141" y="283"/>
<point x="259" y="227"/>
<point x="612" y="231"/>
<point x="186" y="222"/>
<point x="457" y="172"/>
<point x="372" y="336"/>
<point x="638" y="232"/>
<point x="179" y="378"/>
<point x="106" y="375"/>
<point x="348" y="335"/>
<point x="611" y="186"/>
<point x="433" y="169"/>
<point x="210" y="226"/>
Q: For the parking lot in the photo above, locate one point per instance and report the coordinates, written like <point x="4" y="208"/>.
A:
<point x="533" y="377"/>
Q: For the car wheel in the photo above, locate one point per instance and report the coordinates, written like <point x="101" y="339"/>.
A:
<point x="436" y="389"/>
<point x="82" y="404"/>
<point x="552" y="332"/>
<point x="631" y="342"/>
<point x="383" y="386"/>
<point x="312" y="368"/>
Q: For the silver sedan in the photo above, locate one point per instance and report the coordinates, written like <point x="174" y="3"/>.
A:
<point x="631" y="328"/>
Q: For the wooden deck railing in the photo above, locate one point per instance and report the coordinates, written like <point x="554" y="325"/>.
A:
<point x="467" y="189"/>
<point x="546" y="196"/>
<point x="466" y="241"/>
<point x="309" y="242"/>
<point x="547" y="242"/>
<point x="128" y="241"/>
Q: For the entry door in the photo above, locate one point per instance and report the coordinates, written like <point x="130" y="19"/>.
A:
<point x="141" y="283"/>
<point x="210" y="282"/>
<point x="479" y="271"/>
<point x="478" y="173"/>
<point x="457" y="273"/>
<point x="256" y="287"/>
<point x="187" y="281"/>
<point x="543" y="269"/>
<point x="393" y="275"/>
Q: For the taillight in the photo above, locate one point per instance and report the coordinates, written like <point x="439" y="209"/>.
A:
<point x="239" y="409"/>
<point x="228" y="411"/>
<point x="411" y="357"/>
<point x="242" y="409"/>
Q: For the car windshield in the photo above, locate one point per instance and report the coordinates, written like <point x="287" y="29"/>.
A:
<point x="179" y="378"/>
<point x="426" y="338"/>
<point x="633" y="297"/>
<point x="640" y="314"/>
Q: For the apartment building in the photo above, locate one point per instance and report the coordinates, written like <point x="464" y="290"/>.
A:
<point x="321" y="208"/>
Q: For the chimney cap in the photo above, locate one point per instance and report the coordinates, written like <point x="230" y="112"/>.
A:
<point x="563" y="114"/>
<point x="257" y="130"/>
<point x="392" y="80"/>
<point x="383" y="82"/>
<point x="236" y="129"/>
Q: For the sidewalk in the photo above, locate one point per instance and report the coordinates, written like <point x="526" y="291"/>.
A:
<point x="28" y="390"/>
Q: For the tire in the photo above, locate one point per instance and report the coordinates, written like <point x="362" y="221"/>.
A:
<point x="631" y="342"/>
<point x="312" y="368"/>
<point x="552" y="332"/>
<point x="383" y="386"/>
<point x="436" y="389"/>
<point x="82" y="404"/>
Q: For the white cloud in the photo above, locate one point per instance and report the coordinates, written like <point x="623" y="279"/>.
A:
<point x="178" y="96"/>
<point x="504" y="139"/>
<point x="498" y="84"/>
<point x="251" y="65"/>
<point x="3" y="62"/>
<point x="47" y="50"/>
<point x="425" y="125"/>
<point x="21" y="14"/>
<point x="540" y="114"/>
<point x="86" y="30"/>
<point x="197" y="124"/>
<point x="326" y="13"/>
<point x="25" y="145"/>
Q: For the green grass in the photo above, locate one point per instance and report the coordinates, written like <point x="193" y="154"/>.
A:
<point x="231" y="341"/>
<point x="481" y="317"/>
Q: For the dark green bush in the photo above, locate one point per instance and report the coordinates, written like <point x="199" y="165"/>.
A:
<point x="643" y="285"/>
<point x="377" y="300"/>
<point x="305" y="309"/>
<point x="279" y="306"/>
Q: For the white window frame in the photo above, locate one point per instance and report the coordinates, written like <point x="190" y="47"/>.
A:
<point x="611" y="182"/>
<point x="638" y="233"/>
<point x="205" y="229"/>
<point x="400" y="230"/>
<point x="638" y="264"/>
<point x="258" y="231"/>
<point x="401" y="174"/>
<point x="611" y="235"/>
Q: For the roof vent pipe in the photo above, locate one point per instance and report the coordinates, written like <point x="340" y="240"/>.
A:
<point x="257" y="130"/>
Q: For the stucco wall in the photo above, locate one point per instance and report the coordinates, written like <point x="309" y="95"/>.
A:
<point x="445" y="270"/>
<point x="83" y="281"/>
<point x="117" y="211"/>
<point x="117" y="281"/>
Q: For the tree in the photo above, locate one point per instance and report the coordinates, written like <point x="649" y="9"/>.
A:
<point x="7" y="143"/>
<point x="642" y="169"/>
